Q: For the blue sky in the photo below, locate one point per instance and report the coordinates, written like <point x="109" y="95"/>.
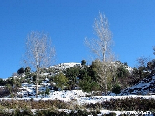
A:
<point x="68" y="22"/>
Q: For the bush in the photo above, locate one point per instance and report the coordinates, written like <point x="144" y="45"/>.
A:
<point x="81" y="113"/>
<point x="128" y="104"/>
<point x="111" y="114"/>
<point x="4" y="113"/>
<point x="94" y="113"/>
<point x="63" y="114"/>
<point x="25" y="112"/>
<point x="116" y="89"/>
<point x="46" y="113"/>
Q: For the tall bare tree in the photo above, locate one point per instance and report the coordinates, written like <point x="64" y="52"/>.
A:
<point x="39" y="52"/>
<point x="154" y="50"/>
<point x="101" y="47"/>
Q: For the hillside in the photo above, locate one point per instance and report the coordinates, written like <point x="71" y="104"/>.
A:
<point x="144" y="87"/>
<point x="129" y="101"/>
<point x="77" y="77"/>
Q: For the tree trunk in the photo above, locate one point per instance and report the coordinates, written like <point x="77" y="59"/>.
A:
<point x="37" y="87"/>
<point x="37" y="78"/>
<point x="106" y="88"/>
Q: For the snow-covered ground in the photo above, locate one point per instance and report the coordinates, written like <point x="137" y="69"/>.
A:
<point x="147" y="113"/>
<point x="144" y="87"/>
<point x="79" y="97"/>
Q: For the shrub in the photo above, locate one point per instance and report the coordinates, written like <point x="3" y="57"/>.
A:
<point x="81" y="113"/>
<point x="46" y="113"/>
<point x="125" y="104"/>
<point x="24" y="112"/>
<point x="111" y="114"/>
<point x="63" y="114"/>
<point x="94" y="113"/>
<point x="116" y="89"/>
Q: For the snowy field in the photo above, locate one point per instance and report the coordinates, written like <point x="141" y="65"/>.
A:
<point x="78" y="97"/>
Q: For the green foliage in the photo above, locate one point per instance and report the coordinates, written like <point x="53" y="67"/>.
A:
<point x="72" y="74"/>
<point x="24" y="112"/>
<point x="21" y="70"/>
<point x="106" y="71"/>
<point x="116" y="89"/>
<point x="138" y="74"/>
<point x="126" y="104"/>
<point x="9" y="87"/>
<point x="83" y="73"/>
<point x="88" y="85"/>
<point x="122" y="72"/>
<point x="2" y="82"/>
<point x="92" y="71"/>
<point x="61" y="81"/>
<point x="47" y="91"/>
<point x="83" y="62"/>
<point x="85" y="84"/>
<point x="50" y="107"/>
<point x="27" y="70"/>
<point x="46" y="113"/>
<point x="95" y="86"/>
<point x="50" y="112"/>
<point x="110" y="114"/>
<point x="27" y="104"/>
<point x="34" y="78"/>
<point x="151" y="65"/>
<point x="125" y="63"/>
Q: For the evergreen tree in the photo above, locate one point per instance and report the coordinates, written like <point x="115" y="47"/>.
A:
<point x="47" y="91"/>
<point x="27" y="70"/>
<point x="88" y="85"/>
<point x="122" y="72"/>
<point x="20" y="71"/>
<point x="61" y="81"/>
<point x="116" y="89"/>
<point x="83" y="62"/>
<point x="72" y="74"/>
<point x="2" y="83"/>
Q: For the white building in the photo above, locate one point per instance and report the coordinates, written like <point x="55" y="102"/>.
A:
<point x="66" y="65"/>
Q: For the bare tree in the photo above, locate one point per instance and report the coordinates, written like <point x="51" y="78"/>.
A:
<point x="142" y="61"/>
<point x="106" y="72"/>
<point x="101" y="47"/>
<point x="154" y="50"/>
<point x="39" y="53"/>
